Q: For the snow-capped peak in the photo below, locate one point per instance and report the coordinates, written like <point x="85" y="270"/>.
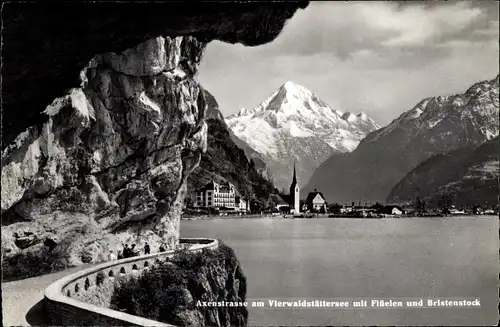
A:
<point x="296" y="111"/>
<point x="478" y="104"/>
<point x="294" y="89"/>
<point x="294" y="124"/>
<point x="359" y="118"/>
<point x="349" y="117"/>
<point x="362" y="116"/>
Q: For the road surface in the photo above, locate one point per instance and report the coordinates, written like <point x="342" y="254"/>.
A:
<point x="21" y="299"/>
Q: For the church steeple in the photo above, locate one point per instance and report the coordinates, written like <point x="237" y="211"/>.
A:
<point x="295" y="192"/>
<point x="294" y="180"/>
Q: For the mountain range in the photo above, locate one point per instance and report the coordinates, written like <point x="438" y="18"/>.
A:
<point x="468" y="176"/>
<point x="213" y="113"/>
<point x="436" y="125"/>
<point x="294" y="125"/>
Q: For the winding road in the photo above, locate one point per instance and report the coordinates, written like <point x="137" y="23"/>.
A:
<point x="22" y="299"/>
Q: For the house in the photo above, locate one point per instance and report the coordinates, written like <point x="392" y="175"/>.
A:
<point x="392" y="210"/>
<point x="241" y="204"/>
<point x="347" y="209"/>
<point x="454" y="211"/>
<point x="216" y="195"/>
<point x="477" y="210"/>
<point x="278" y="202"/>
<point x="316" y="202"/>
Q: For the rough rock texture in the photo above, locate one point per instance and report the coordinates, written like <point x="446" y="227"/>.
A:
<point x="468" y="176"/>
<point x="104" y="118"/>
<point x="117" y="150"/>
<point x="226" y="161"/>
<point x="170" y="292"/>
<point x="436" y="125"/>
<point x="44" y="45"/>
<point x="213" y="112"/>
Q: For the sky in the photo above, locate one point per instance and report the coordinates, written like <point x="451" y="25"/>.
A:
<point x="380" y="58"/>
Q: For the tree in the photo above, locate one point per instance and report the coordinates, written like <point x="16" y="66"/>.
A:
<point x="335" y="207"/>
<point x="420" y="205"/>
<point x="256" y="206"/>
<point x="445" y="201"/>
<point x="301" y="204"/>
<point x="284" y="209"/>
<point x="377" y="206"/>
<point x="270" y="204"/>
<point x="188" y="202"/>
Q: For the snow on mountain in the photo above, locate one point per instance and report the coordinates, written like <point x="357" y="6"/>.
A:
<point x="436" y="125"/>
<point x="293" y="124"/>
<point x="477" y="106"/>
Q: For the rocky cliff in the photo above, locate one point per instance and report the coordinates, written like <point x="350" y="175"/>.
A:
<point x="468" y="176"/>
<point x="104" y="118"/>
<point x="213" y="112"/>
<point x="114" y="151"/>
<point x="224" y="160"/>
<point x="174" y="292"/>
<point x="436" y="125"/>
<point x="254" y="156"/>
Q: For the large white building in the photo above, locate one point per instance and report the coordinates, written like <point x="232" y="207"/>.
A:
<point x="216" y="195"/>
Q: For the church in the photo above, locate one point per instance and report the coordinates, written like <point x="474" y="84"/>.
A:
<point x="294" y="195"/>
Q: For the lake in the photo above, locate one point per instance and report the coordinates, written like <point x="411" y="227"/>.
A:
<point x="330" y="259"/>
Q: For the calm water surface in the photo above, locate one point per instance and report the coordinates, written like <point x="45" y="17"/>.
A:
<point x="344" y="258"/>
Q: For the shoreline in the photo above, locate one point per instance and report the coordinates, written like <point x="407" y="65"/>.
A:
<point x="238" y="217"/>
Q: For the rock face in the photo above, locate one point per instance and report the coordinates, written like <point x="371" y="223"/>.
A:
<point x="213" y="112"/>
<point x="434" y="126"/>
<point x="45" y="45"/>
<point x="118" y="149"/>
<point x="468" y="176"/>
<point x="170" y="292"/>
<point x="106" y="161"/>
<point x="224" y="160"/>
<point x="294" y="125"/>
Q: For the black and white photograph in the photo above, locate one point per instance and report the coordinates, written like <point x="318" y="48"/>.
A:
<point x="250" y="163"/>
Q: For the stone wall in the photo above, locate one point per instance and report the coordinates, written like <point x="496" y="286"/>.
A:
<point x="81" y="298"/>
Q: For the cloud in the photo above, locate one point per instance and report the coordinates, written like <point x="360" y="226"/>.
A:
<point x="346" y="27"/>
<point x="419" y="26"/>
<point x="490" y="31"/>
<point x="377" y="57"/>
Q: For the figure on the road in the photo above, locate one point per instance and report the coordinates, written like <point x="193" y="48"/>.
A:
<point x="146" y="248"/>
<point x="50" y="243"/>
<point x="162" y="248"/>
<point x="112" y="255"/>
<point x="133" y="251"/>
<point x="126" y="251"/>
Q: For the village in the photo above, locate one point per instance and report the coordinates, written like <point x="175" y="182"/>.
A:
<point x="223" y="199"/>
